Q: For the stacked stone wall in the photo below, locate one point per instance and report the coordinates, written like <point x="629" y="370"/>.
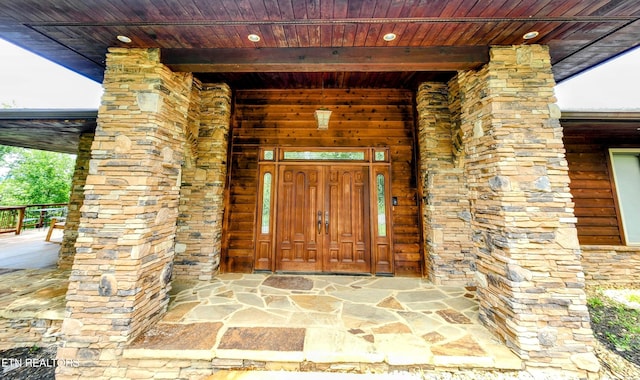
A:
<point x="447" y="231"/>
<point x="28" y="332"/>
<point x="611" y="265"/>
<point x="121" y="274"/>
<point x="199" y="235"/>
<point x="76" y="199"/>
<point x="530" y="279"/>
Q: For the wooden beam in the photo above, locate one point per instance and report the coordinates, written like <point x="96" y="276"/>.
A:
<point x="357" y="59"/>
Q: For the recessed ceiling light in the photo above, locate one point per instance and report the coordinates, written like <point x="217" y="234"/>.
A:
<point x="530" y="35"/>
<point x="124" y="39"/>
<point x="253" y="37"/>
<point x="389" y="37"/>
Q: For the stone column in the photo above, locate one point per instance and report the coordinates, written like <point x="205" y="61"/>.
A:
<point x="125" y="247"/>
<point x="447" y="231"/>
<point x="530" y="280"/>
<point x="199" y="236"/>
<point x="68" y="249"/>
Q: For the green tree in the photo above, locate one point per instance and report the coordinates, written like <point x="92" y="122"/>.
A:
<point x="34" y="176"/>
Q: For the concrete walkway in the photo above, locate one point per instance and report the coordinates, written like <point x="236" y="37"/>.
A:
<point x="29" y="250"/>
<point x="338" y="323"/>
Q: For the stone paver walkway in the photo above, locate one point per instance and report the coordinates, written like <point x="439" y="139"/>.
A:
<point x="324" y="319"/>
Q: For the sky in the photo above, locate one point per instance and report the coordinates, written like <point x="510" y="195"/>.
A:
<point x="613" y="85"/>
<point x="29" y="81"/>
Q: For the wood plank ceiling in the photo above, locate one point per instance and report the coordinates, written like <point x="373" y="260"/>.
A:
<point x="342" y="39"/>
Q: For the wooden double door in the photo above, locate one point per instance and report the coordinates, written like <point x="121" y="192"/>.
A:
<point x="323" y="218"/>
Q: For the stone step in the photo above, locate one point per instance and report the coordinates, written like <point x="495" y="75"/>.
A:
<point x="234" y="347"/>
<point x="284" y="375"/>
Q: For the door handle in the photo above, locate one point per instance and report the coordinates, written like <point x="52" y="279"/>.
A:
<point x="319" y="221"/>
<point x="326" y="222"/>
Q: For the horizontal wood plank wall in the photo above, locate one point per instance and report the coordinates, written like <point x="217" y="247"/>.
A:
<point x="360" y="118"/>
<point x="591" y="187"/>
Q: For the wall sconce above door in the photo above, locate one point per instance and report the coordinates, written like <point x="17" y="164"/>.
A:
<point x="322" y="116"/>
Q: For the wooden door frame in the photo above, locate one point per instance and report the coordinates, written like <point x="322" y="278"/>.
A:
<point x="376" y="159"/>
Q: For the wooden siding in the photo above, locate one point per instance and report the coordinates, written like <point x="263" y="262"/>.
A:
<point x="360" y="118"/>
<point x="592" y="188"/>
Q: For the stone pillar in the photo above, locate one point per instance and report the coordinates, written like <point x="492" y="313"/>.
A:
<point x="68" y="250"/>
<point x="447" y="230"/>
<point x="199" y="235"/>
<point x="530" y="279"/>
<point x="124" y="251"/>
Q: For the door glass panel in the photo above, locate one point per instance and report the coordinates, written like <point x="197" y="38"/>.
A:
<point x="382" y="217"/>
<point x="268" y="155"/>
<point x="317" y="155"/>
<point x="266" y="203"/>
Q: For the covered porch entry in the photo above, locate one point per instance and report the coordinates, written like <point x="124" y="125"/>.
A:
<point x="492" y="206"/>
<point x="336" y="200"/>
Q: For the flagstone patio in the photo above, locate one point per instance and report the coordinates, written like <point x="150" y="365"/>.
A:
<point x="338" y="321"/>
<point x="32" y="303"/>
<point x="291" y="322"/>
